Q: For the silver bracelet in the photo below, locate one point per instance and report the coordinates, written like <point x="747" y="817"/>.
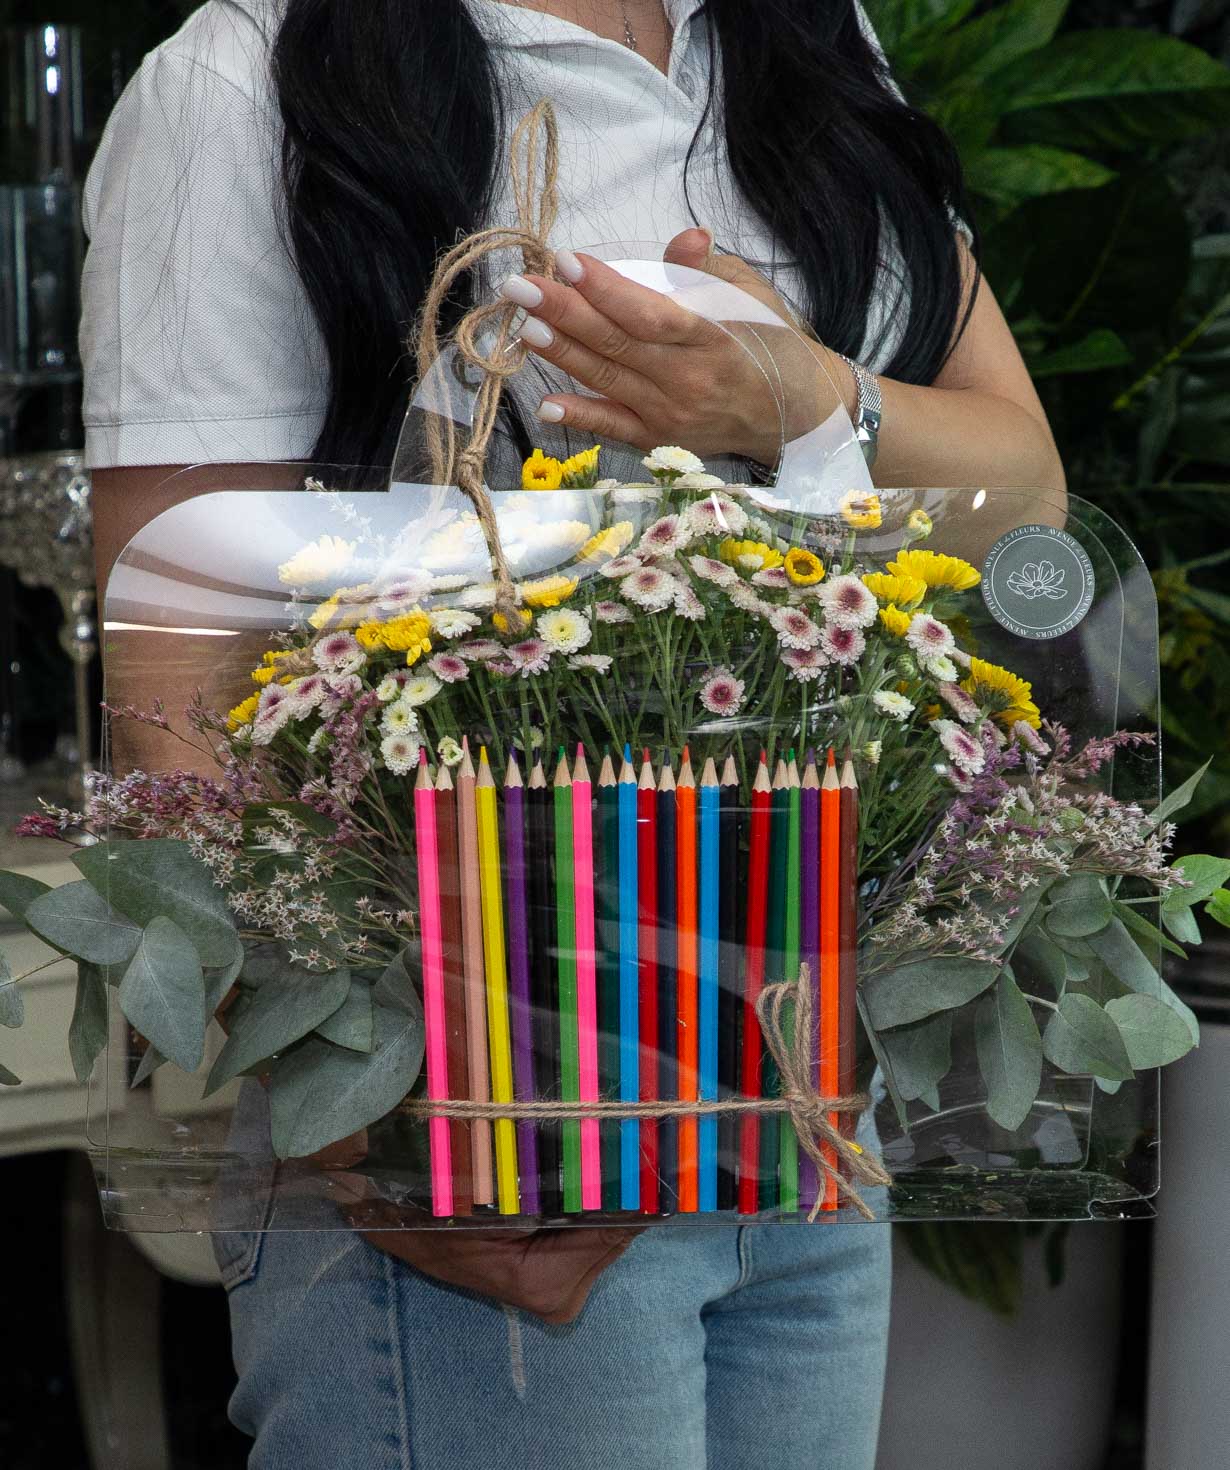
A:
<point x="869" y="409"/>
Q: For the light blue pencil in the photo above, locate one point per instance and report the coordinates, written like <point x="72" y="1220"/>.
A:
<point x="710" y="890"/>
<point x="629" y="989"/>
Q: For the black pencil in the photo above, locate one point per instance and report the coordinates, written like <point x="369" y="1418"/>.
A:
<point x="544" y="987"/>
<point x="729" y="984"/>
<point x="668" y="1007"/>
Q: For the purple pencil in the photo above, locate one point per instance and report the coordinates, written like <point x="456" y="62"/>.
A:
<point x="521" y="1015"/>
<point x="809" y="939"/>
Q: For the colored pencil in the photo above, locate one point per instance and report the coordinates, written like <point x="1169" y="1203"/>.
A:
<point x="499" y="1039"/>
<point x="629" y="981"/>
<point x="668" y="999"/>
<point x="608" y="973"/>
<point x="520" y="1002"/>
<point x="847" y="1003"/>
<point x="788" y="1144"/>
<point x="475" y="971"/>
<point x="544" y="983"/>
<point x="709" y="959"/>
<point x="830" y="944"/>
<point x="566" y="948"/>
<point x="809" y="939"/>
<point x="753" y="983"/>
<point x="454" y="988"/>
<point x="728" y="980"/>
<point x="428" y="865"/>
<point x="687" y="962"/>
<point x="647" y="963"/>
<point x="775" y="970"/>
<point x="587" y="978"/>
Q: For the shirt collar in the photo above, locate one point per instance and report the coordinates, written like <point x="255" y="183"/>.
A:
<point x="516" y="26"/>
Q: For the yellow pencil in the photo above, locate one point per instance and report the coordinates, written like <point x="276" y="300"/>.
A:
<point x="499" y="1035"/>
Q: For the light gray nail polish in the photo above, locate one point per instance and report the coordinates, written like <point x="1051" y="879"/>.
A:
<point x="569" y="266"/>
<point x="536" y="333"/>
<point x="550" y="413"/>
<point x="521" y="291"/>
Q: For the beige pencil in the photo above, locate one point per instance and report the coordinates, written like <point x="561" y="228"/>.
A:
<point x="474" y="970"/>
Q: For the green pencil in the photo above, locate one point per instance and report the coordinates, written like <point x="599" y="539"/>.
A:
<point x="788" y="1148"/>
<point x="775" y="958"/>
<point x="569" y="1043"/>
<point x="608" y="973"/>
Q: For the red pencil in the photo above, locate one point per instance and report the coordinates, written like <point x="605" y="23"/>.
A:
<point x="687" y="969"/>
<point x="847" y="1002"/>
<point x="830" y="947"/>
<point x="757" y="920"/>
<point x="647" y="955"/>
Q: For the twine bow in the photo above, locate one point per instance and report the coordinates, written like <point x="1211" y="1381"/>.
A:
<point x="535" y="144"/>
<point x="786" y="1012"/>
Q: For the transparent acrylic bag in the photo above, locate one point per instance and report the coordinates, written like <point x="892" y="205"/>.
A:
<point x="557" y="977"/>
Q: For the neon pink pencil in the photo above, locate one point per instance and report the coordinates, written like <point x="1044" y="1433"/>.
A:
<point x="587" y="978"/>
<point x="432" y="934"/>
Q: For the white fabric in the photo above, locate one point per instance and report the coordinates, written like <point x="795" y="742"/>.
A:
<point x="197" y="340"/>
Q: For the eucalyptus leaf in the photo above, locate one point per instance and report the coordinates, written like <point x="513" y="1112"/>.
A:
<point x="219" y="980"/>
<point x="913" y="991"/>
<point x="1177" y="799"/>
<point x="1123" y="958"/>
<point x="1009" y="1052"/>
<point x="12" y="1006"/>
<point x="76" y="919"/>
<point x="280" y="1013"/>
<point x="920" y="1054"/>
<point x="397" y="987"/>
<point x="320" y="1093"/>
<point x="18" y="891"/>
<point x="151" y="1060"/>
<point x="1153" y="1034"/>
<point x="1040" y="960"/>
<point x="7" y="1078"/>
<point x="87" y="1032"/>
<point x="1079" y="907"/>
<point x="1182" y="924"/>
<point x="160" y="878"/>
<point x="1081" y="1038"/>
<point x="1205" y="874"/>
<point x="163" y="993"/>
<point x="351" y="1024"/>
<point x="1144" y="932"/>
<point x="1218" y="907"/>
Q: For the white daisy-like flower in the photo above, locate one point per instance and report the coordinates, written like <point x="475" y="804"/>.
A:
<point x="928" y="637"/>
<point x="722" y="694"/>
<point x="709" y="569"/>
<point x="747" y="600"/>
<point x="794" y="628"/>
<point x="564" y="630"/>
<point x="960" y="701"/>
<point x="612" y="612"/>
<point x="419" y="688"/>
<point x="635" y="494"/>
<point x="448" y="668"/>
<point x="804" y="664"/>
<point x="399" y="719"/>
<point x="872" y="752"/>
<point x="400" y="754"/>
<point x="716" y="515"/>
<point x="454" y="582"/>
<point x="306" y="694"/>
<point x="530" y="656"/>
<point x="338" y="653"/>
<point x="959" y="656"/>
<point x="847" y="603"/>
<point x="966" y="754"/>
<point x="688" y="605"/>
<point x="941" y="669"/>
<point x="479" y="597"/>
<point x="621" y="566"/>
<point x="649" y="588"/>
<point x="695" y="480"/>
<point x="889" y="702"/>
<point x="388" y="689"/>
<point x="559" y="536"/>
<point x="404" y="592"/>
<point x="273" y="712"/>
<point x="605" y="484"/>
<point x="323" y="560"/>
<point x="480" y="649"/>
<point x="1028" y="737"/>
<point x="453" y="622"/>
<point x="319" y="736"/>
<point x="450" y="753"/>
<point x="774" y="577"/>
<point x="341" y="687"/>
<point x="536" y="738"/>
<point x="598" y="663"/>
<point x="842" y="645"/>
<point x="669" y="459"/>
<point x="665" y="536"/>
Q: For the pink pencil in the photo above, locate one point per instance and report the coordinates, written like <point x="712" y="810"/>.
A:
<point x="587" y="978"/>
<point x="432" y="934"/>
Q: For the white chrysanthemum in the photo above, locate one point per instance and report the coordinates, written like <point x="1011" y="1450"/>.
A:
<point x="481" y="649"/>
<point x="273" y="712"/>
<point x="694" y="480"/>
<point x="669" y="459"/>
<point x="449" y="751"/>
<point x="338" y="653"/>
<point x="388" y="689"/>
<point x="306" y="693"/>
<point x="323" y="560"/>
<point x="847" y="603"/>
<point x="774" y="577"/>
<point x="722" y="694"/>
<point x="688" y="605"/>
<point x="928" y="637"/>
<point x="319" y="736"/>
<point x="842" y="645"/>
<point x="794" y="628"/>
<point x="962" y="703"/>
<point x="872" y="752"/>
<point x="448" y="668"/>
<point x="941" y="669"/>
<point x="621" y="566"/>
<point x="709" y="569"/>
<point x="747" y="600"/>
<point x="889" y="702"/>
<point x="453" y="622"/>
<point x="635" y="494"/>
<point x="649" y="588"/>
<point x="967" y="755"/>
<point x="419" y="688"/>
<point x="530" y="657"/>
<point x="403" y="592"/>
<point x="400" y="755"/>
<point x="716" y="515"/>
<point x="805" y="664"/>
<point x="451" y="583"/>
<point x="477" y="597"/>
<point x="564" y="630"/>
<point x="665" y="536"/>
<point x="399" y="719"/>
<point x="598" y="663"/>
<point x="607" y="611"/>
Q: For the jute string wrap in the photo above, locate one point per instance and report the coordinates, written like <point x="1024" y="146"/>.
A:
<point x="534" y="147"/>
<point x="786" y="1013"/>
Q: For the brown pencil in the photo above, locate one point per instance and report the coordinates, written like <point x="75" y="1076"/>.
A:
<point x="454" y="987"/>
<point x="474" y="970"/>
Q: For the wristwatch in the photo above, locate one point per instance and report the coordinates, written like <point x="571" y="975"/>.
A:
<point x="868" y="411"/>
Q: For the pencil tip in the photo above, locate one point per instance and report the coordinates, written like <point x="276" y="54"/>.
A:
<point x="627" y="750"/>
<point x="832" y="758"/>
<point x="482" y="755"/>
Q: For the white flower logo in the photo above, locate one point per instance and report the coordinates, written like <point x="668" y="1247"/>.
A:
<point x="1039" y="579"/>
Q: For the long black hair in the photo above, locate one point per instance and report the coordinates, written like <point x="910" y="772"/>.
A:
<point x="394" y="131"/>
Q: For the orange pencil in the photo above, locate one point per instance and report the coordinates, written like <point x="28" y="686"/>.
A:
<point x="687" y="970"/>
<point x="830" y="947"/>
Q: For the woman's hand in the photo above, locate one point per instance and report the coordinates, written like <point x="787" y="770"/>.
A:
<point x="668" y="376"/>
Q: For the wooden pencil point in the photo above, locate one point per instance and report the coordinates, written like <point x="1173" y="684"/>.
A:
<point x="709" y="775"/>
<point x="606" y="776"/>
<point x="563" y="777"/>
<point x="832" y="757"/>
<point x="666" y="780"/>
<point x="792" y="772"/>
<point x="780" y="777"/>
<point x="830" y="782"/>
<point x="485" y="776"/>
<point x="761" y="782"/>
<point x="647" y="782"/>
<point x="512" y="776"/>
<point x="466" y="768"/>
<point x="423" y="782"/>
<point x="849" y="779"/>
<point x="627" y="774"/>
<point x="811" y="776"/>
<point x="580" y="770"/>
<point x="444" y="779"/>
<point x="538" y="777"/>
<point x="730" y="772"/>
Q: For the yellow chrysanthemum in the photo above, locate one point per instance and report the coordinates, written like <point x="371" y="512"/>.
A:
<point x="370" y="636"/>
<point x="345" y="609"/>
<point x="268" y="669"/>
<point x="410" y="633"/>
<point x="540" y="472"/>
<point x="901" y="591"/>
<point x="751" y="556"/>
<point x="936" y="569"/>
<point x="1007" y="695"/>
<point x="919" y="525"/>
<point x="547" y="591"/>
<point x="243" y="713"/>
<point x="860" y="509"/>
<point x="580" y="472"/>
<point x="895" y="621"/>
<point x="804" y="568"/>
<point x="608" y="543"/>
<point x="501" y="621"/>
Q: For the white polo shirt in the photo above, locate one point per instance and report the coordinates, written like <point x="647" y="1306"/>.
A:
<point x="197" y="339"/>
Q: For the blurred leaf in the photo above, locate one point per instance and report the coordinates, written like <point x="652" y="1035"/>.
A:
<point x="907" y="25"/>
<point x="1009" y="176"/>
<point x="921" y="1054"/>
<point x="18" y="891"/>
<point x="1218" y="907"/>
<point x="9" y="1079"/>
<point x="1094" y="353"/>
<point x="1081" y="1038"/>
<point x="982" y="1260"/>
<point x="1177" y="799"/>
<point x="280" y="1013"/>
<point x="1182" y="924"/>
<point x="87" y="1032"/>
<point x="12" y="1006"/>
<point x="1009" y="1052"/>
<point x="969" y="55"/>
<point x="151" y="1060"/>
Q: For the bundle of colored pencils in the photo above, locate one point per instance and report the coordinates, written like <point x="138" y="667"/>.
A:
<point x="609" y="940"/>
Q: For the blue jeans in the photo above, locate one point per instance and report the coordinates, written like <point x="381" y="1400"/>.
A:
<point x="701" y="1348"/>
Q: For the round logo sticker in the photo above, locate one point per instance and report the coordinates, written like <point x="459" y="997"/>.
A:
<point x="1038" y="582"/>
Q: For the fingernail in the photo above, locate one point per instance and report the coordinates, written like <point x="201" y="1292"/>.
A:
<point x="550" y="413"/>
<point x="569" y="266"/>
<point x="536" y="333"/>
<point x="521" y="291"/>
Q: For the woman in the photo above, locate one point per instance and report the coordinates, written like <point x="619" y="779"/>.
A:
<point x="265" y="214"/>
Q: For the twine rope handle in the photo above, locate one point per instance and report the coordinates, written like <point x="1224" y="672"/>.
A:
<point x="534" y="147"/>
<point x="786" y="1012"/>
